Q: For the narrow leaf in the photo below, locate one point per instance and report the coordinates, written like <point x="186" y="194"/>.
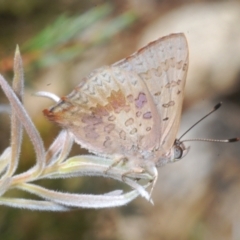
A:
<point x="5" y="159"/>
<point x="28" y="124"/>
<point x="16" y="126"/>
<point x="89" y="165"/>
<point x="60" y="148"/>
<point x="4" y="185"/>
<point x="80" y="200"/>
<point x="32" y="204"/>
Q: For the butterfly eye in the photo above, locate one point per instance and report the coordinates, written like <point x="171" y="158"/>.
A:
<point x="178" y="152"/>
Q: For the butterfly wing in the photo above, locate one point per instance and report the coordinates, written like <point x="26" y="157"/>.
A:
<point x="163" y="66"/>
<point x="110" y="113"/>
<point x="132" y="107"/>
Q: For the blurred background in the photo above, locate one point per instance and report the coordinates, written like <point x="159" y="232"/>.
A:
<point x="62" y="41"/>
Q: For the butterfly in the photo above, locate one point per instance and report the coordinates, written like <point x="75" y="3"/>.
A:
<point x="131" y="109"/>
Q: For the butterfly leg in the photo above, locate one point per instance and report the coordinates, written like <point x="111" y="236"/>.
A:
<point x="155" y="177"/>
<point x="115" y="163"/>
<point x="153" y="172"/>
<point x="135" y="170"/>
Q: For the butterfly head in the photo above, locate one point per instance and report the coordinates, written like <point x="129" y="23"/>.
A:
<point x="179" y="150"/>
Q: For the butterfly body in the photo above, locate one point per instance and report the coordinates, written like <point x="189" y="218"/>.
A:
<point x="131" y="109"/>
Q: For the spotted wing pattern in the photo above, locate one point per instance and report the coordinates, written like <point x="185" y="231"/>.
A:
<point x="110" y="113"/>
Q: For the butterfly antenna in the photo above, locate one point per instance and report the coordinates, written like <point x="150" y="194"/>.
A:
<point x="212" y="111"/>
<point x="205" y="139"/>
<point x="213" y="140"/>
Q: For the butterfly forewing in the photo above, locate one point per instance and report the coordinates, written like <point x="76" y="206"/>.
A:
<point x="163" y="66"/>
<point x="112" y="113"/>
